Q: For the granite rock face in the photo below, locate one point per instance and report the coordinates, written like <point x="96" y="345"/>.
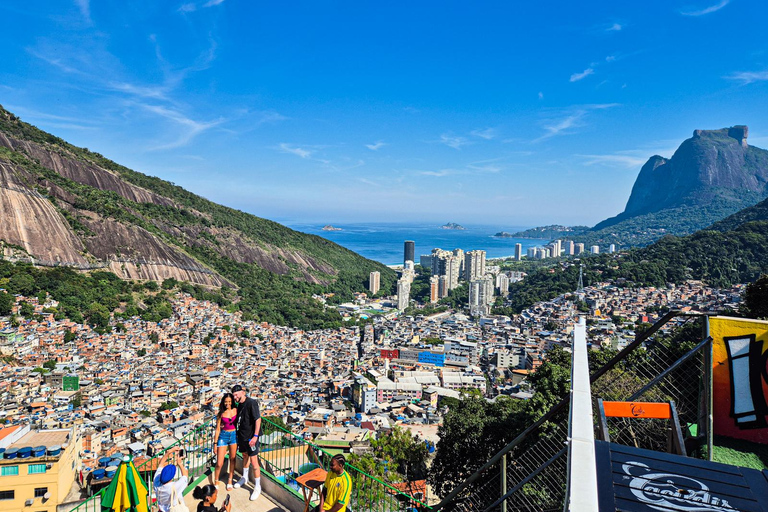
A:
<point x="711" y="165"/>
<point x="47" y="222"/>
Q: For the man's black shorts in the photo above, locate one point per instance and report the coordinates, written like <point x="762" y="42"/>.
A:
<point x="245" y="448"/>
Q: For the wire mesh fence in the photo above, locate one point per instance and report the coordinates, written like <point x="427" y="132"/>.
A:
<point x="532" y="476"/>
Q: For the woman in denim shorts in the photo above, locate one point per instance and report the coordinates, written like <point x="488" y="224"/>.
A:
<point x="226" y="438"/>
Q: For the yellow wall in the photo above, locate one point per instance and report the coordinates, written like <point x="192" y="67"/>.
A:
<point x="58" y="480"/>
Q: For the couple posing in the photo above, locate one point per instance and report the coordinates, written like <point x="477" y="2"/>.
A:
<point x="238" y="424"/>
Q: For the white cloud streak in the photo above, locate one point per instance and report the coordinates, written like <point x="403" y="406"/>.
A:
<point x="378" y="145"/>
<point x="616" y="27"/>
<point x="580" y="76"/>
<point x="453" y="141"/>
<point x="293" y="150"/>
<point x="487" y="134"/>
<point x="572" y="118"/>
<point x="748" y="77"/>
<point x="707" y="10"/>
<point x="191" y="127"/>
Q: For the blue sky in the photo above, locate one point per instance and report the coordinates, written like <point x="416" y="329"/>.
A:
<point x="472" y="112"/>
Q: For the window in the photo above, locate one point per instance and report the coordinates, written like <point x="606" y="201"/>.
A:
<point x="6" y="495"/>
<point x="40" y="491"/>
<point x="9" y="471"/>
<point x="35" y="469"/>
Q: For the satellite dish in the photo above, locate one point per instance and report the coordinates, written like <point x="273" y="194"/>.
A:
<point x="47" y="496"/>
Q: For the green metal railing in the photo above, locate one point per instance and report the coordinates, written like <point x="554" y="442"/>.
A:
<point x="199" y="447"/>
<point x="286" y="456"/>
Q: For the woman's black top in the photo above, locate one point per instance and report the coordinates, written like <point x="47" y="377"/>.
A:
<point x="202" y="507"/>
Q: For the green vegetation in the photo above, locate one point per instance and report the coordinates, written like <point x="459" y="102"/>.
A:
<point x="551" y="232"/>
<point x="167" y="406"/>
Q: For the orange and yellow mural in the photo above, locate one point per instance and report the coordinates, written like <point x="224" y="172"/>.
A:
<point x="740" y="378"/>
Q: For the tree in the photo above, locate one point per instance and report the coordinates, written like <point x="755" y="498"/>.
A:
<point x="167" y="406"/>
<point x="6" y="303"/>
<point x="145" y="413"/>
<point x="69" y="337"/>
<point x="755" y="304"/>
<point x="26" y="309"/>
<point x="405" y="454"/>
<point x="141" y="352"/>
<point x="50" y="364"/>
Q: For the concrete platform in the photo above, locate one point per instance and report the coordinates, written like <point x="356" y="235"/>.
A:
<point x="240" y="498"/>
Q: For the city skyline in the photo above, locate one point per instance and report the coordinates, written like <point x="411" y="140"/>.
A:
<point x="521" y="113"/>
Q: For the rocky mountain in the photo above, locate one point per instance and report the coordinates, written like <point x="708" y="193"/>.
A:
<point x="61" y="205"/>
<point x="715" y="172"/>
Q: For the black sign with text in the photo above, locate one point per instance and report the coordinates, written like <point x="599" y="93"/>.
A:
<point x="634" y="480"/>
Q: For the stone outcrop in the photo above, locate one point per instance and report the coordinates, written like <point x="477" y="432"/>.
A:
<point x="712" y="165"/>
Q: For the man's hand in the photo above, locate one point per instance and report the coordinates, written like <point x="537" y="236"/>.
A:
<point x="252" y="442"/>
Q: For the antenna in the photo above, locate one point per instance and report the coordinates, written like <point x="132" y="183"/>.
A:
<point x="580" y="288"/>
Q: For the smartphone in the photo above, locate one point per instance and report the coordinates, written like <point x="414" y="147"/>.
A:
<point x="182" y="453"/>
<point x="226" y="500"/>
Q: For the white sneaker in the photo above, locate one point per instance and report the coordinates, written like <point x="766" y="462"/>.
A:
<point x="255" y="494"/>
<point x="240" y="482"/>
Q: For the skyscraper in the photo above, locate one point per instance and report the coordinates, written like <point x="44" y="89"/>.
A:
<point x="403" y="294"/>
<point x="474" y="265"/>
<point x="579" y="248"/>
<point x="518" y="252"/>
<point x="480" y="296"/>
<point x="409" y="251"/>
<point x="434" y="289"/>
<point x="374" y="282"/>
<point x="595" y="249"/>
<point x="569" y="248"/>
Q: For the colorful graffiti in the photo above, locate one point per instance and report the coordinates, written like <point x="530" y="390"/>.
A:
<point x="740" y="378"/>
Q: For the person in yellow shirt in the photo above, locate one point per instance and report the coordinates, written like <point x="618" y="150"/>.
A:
<point x="337" y="489"/>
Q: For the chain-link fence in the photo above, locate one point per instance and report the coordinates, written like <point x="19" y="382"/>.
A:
<point x="531" y="474"/>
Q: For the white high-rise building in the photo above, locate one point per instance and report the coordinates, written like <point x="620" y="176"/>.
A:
<point x="502" y="283"/>
<point x="403" y="294"/>
<point x="612" y="248"/>
<point x="374" y="282"/>
<point x="531" y="253"/>
<point x="518" y="251"/>
<point x="595" y="249"/>
<point x="569" y="247"/>
<point x="474" y="265"/>
<point x="579" y="248"/>
<point x="480" y="296"/>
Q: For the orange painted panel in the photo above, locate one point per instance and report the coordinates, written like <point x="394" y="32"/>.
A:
<point x="657" y="410"/>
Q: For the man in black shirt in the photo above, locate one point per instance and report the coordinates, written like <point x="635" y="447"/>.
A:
<point x="248" y="428"/>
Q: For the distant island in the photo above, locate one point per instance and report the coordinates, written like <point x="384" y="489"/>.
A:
<point x="328" y="227"/>
<point x="503" y="234"/>
<point x="549" y="232"/>
<point x="452" y="225"/>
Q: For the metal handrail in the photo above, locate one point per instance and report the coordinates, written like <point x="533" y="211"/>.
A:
<point x="390" y="490"/>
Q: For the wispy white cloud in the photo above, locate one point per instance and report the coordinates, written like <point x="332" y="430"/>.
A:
<point x="580" y="76"/>
<point x="615" y="27"/>
<point x="294" y="150"/>
<point x="270" y="116"/>
<point x="488" y="168"/>
<point x="615" y="159"/>
<point x="541" y="95"/>
<point x="610" y="58"/>
<point x="438" y="174"/>
<point x="707" y="10"/>
<point x="375" y="147"/>
<point x="192" y="6"/>
<point x="157" y="92"/>
<point x="487" y="134"/>
<point x="85" y="8"/>
<point x="747" y="77"/>
<point x="569" y="119"/>
<point x="191" y="128"/>
<point x="453" y="141"/>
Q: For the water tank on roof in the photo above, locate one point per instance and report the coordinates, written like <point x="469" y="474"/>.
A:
<point x="25" y="452"/>
<point x="38" y="451"/>
<point x="104" y="461"/>
<point x="11" y="453"/>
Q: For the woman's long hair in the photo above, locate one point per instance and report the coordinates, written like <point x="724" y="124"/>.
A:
<point x="222" y="406"/>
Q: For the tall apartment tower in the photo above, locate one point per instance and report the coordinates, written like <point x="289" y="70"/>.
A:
<point x="409" y="251"/>
<point x="518" y="252"/>
<point x="502" y="283"/>
<point x="374" y="282"/>
<point x="579" y="248"/>
<point x="569" y="247"/>
<point x="480" y="296"/>
<point x="403" y="294"/>
<point x="595" y="249"/>
<point x="448" y="264"/>
<point x="434" y="289"/>
<point x="474" y="265"/>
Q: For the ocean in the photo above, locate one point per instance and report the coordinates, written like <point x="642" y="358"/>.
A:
<point x="383" y="242"/>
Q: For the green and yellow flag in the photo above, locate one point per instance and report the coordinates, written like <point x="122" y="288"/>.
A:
<point x="127" y="492"/>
